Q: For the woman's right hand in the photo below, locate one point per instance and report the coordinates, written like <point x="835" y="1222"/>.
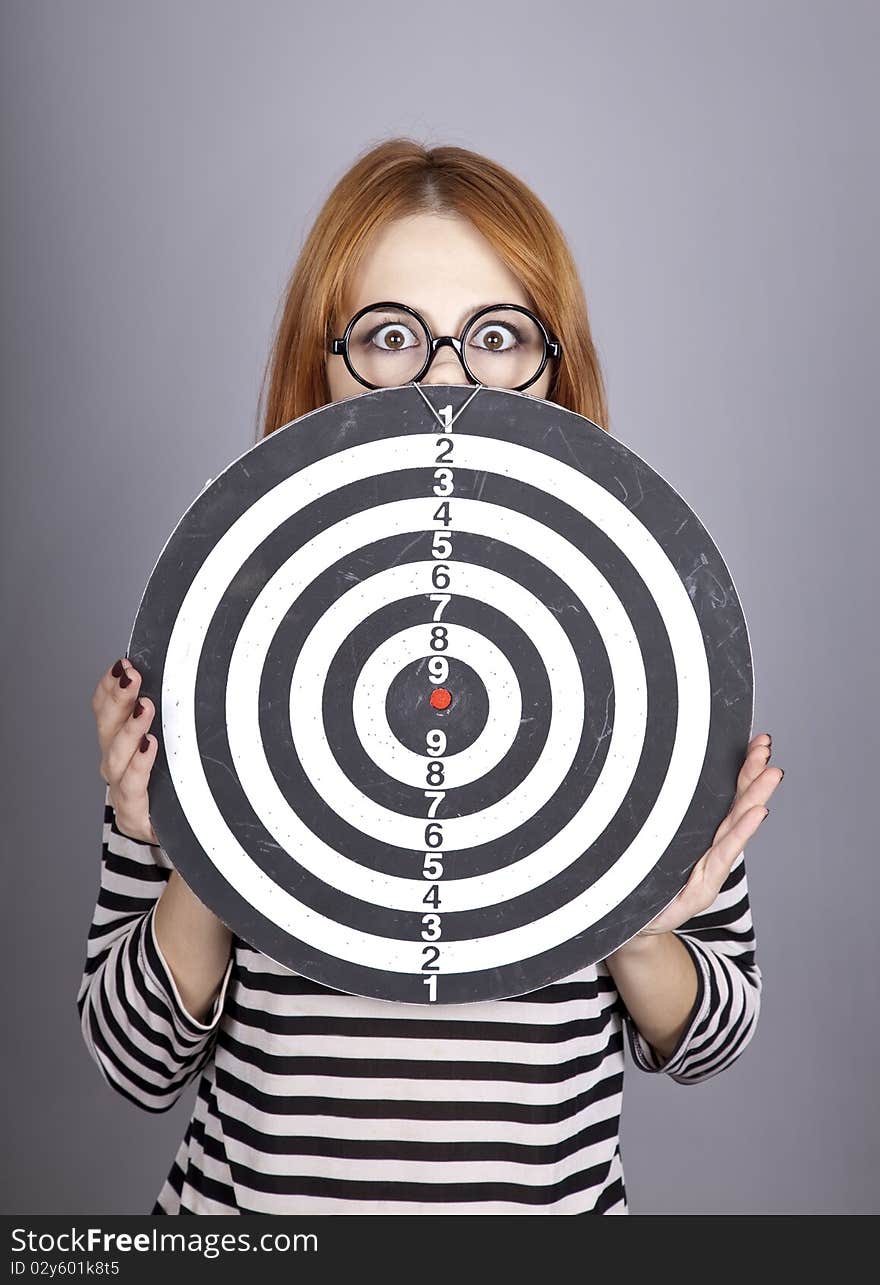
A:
<point x="123" y="718"/>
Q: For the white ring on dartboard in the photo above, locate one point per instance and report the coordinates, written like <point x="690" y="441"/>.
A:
<point x="371" y="717"/>
<point x="316" y="754"/>
<point x="278" y="906"/>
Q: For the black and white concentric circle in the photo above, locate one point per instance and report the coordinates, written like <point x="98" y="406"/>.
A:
<point x="598" y="663"/>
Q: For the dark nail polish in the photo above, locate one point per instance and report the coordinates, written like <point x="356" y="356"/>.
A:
<point x="144" y="745"/>
<point x="138" y="709"/>
<point x="117" y="670"/>
<point x="125" y="681"/>
<point x="782" y="770"/>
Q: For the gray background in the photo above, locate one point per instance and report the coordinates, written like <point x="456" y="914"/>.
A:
<point x="714" y="167"/>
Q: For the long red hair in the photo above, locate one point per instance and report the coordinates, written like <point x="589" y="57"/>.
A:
<point x="400" y="177"/>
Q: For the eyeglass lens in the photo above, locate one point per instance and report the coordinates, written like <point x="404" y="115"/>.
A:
<point x="504" y="348"/>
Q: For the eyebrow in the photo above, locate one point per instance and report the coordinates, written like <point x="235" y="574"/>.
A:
<point x="490" y="303"/>
<point x="466" y="315"/>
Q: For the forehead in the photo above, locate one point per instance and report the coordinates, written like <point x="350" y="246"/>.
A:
<point x="439" y="264"/>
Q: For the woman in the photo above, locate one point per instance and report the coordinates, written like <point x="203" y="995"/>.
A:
<point x="314" y="1101"/>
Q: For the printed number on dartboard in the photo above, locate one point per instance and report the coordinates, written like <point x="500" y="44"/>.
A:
<point x="438" y="673"/>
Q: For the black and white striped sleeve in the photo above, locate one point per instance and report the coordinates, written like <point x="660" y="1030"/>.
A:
<point x="722" y="1022"/>
<point x="135" y="1025"/>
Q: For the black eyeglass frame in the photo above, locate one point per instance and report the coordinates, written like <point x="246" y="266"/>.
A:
<point x="552" y="347"/>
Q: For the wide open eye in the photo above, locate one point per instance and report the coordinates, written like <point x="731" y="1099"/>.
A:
<point x="505" y="348"/>
<point x="495" y="336"/>
<point x="393" y="337"/>
<point x="387" y="347"/>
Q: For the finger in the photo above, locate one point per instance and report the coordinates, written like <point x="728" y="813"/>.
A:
<point x="756" y="759"/>
<point x="126" y="743"/>
<point x="721" y="856"/>
<point x="759" y="791"/>
<point x="708" y="875"/>
<point x="113" y="700"/>
<point x="754" y="763"/>
<point x="130" y="793"/>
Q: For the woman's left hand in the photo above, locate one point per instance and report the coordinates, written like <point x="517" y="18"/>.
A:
<point x="754" y="785"/>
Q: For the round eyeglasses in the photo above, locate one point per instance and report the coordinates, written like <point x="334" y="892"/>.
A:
<point x="504" y="345"/>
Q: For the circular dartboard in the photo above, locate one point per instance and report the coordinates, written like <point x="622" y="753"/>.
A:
<point x="452" y="691"/>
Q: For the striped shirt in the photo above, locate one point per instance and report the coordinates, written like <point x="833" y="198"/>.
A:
<point x="310" y="1100"/>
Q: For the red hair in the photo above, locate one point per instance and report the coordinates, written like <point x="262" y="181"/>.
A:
<point x="400" y="177"/>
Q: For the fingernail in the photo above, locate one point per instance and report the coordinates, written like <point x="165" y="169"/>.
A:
<point x="782" y="770"/>
<point x="125" y="681"/>
<point x="144" y="745"/>
<point x="118" y="669"/>
<point x="138" y="709"/>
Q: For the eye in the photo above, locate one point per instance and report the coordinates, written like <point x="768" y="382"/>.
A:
<point x="495" y="336"/>
<point x="392" y="337"/>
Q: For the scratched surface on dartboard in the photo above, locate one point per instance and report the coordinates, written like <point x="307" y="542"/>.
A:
<point x="452" y="686"/>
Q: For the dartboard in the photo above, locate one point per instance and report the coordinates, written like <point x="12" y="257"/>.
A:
<point x="451" y="689"/>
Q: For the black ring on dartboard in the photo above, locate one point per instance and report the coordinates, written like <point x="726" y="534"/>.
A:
<point x="480" y="859"/>
<point x="629" y="474"/>
<point x="585" y="639"/>
<point x="338" y="707"/>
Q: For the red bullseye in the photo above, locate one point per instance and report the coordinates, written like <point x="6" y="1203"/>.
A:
<point x="441" y="698"/>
